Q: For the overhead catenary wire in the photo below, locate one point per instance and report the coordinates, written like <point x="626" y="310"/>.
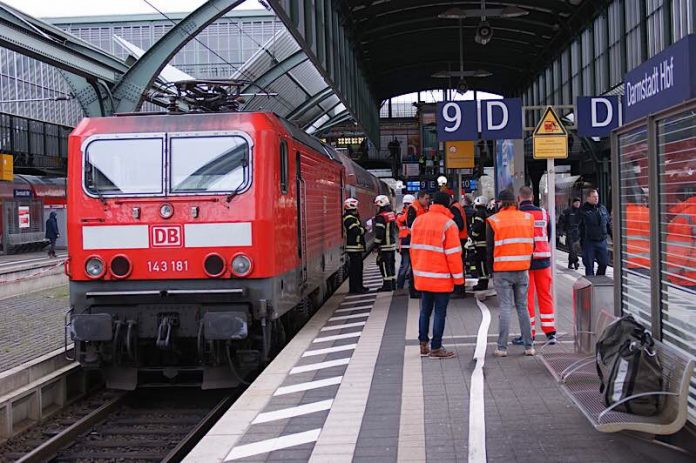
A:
<point x="244" y="73"/>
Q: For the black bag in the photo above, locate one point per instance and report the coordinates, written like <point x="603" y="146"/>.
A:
<point x="627" y="364"/>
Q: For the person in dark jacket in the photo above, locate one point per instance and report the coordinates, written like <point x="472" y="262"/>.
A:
<point x="52" y="233"/>
<point x="355" y="245"/>
<point x="478" y="236"/>
<point x="569" y="225"/>
<point x="594" y="228"/>
<point x="385" y="240"/>
<point x="469" y="211"/>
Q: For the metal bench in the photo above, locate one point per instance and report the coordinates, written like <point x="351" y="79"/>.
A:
<point x="578" y="377"/>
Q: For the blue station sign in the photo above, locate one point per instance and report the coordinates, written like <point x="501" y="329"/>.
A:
<point x="597" y="116"/>
<point x="495" y="120"/>
<point x="664" y="80"/>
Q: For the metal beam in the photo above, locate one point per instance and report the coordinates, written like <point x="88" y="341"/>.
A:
<point x="130" y="91"/>
<point x="277" y="71"/>
<point x="49" y="44"/>
<point x="342" y="69"/>
<point x="309" y="103"/>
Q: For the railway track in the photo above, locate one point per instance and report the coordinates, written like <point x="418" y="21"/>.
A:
<point x="151" y="425"/>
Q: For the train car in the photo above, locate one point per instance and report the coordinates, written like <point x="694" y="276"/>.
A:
<point x="197" y="241"/>
<point x="24" y="206"/>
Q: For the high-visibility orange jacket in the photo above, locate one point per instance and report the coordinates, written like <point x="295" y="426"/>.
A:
<point x="681" y="244"/>
<point x="637" y="236"/>
<point x="404" y="231"/>
<point x="512" y="235"/>
<point x="463" y="234"/>
<point x="436" y="253"/>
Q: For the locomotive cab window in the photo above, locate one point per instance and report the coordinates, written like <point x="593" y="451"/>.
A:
<point x="283" y="167"/>
<point x="123" y="166"/>
<point x="204" y="164"/>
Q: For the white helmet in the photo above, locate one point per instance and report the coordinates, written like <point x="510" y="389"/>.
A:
<point x="480" y="201"/>
<point x="409" y="199"/>
<point x="350" y="203"/>
<point x="381" y="201"/>
<point x="441" y="180"/>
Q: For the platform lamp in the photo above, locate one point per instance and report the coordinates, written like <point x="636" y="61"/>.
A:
<point x="484" y="31"/>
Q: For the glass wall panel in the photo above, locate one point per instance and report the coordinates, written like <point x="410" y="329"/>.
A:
<point x="656" y="36"/>
<point x="682" y="18"/>
<point x="676" y="150"/>
<point x="633" y="40"/>
<point x="635" y="225"/>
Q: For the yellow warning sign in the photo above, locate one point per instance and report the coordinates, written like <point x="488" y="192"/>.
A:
<point x="550" y="137"/>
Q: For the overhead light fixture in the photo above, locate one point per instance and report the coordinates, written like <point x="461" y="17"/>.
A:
<point x="484" y="33"/>
<point x="462" y="74"/>
<point x="453" y="13"/>
<point x="510" y="12"/>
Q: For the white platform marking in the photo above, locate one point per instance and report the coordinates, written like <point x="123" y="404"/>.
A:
<point x="348" y="317"/>
<point x="336" y="337"/>
<point x="350" y="309"/>
<point x="361" y="296"/>
<point x="477" y="411"/>
<point x="308" y="385"/>
<point x="277" y="443"/>
<point x="293" y="411"/>
<point x="319" y="366"/>
<point x="340" y="327"/>
<point x="329" y="350"/>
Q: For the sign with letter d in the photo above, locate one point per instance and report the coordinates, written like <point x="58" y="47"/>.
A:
<point x="597" y="116"/>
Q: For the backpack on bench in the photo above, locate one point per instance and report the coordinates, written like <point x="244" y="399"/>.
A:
<point x="627" y="365"/>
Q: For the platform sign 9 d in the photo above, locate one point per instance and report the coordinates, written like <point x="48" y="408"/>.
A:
<point x="494" y="120"/>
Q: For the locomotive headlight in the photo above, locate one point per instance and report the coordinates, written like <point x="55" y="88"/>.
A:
<point x="166" y="211"/>
<point x="241" y="265"/>
<point x="94" y="267"/>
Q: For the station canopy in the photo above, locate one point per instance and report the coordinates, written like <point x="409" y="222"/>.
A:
<point x="285" y="81"/>
<point x="411" y="45"/>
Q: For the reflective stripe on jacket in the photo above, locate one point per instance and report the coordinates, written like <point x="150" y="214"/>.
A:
<point x="385" y="230"/>
<point x="436" y="253"/>
<point x="637" y="236"/>
<point x="354" y="233"/>
<point x="513" y="234"/>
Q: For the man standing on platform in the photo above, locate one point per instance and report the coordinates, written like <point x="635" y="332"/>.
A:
<point x="52" y="233"/>
<point x="355" y="246"/>
<point x="404" y="244"/>
<point x="595" y="227"/>
<point x="459" y="217"/>
<point x="569" y="225"/>
<point x="540" y="274"/>
<point x="385" y="240"/>
<point x="510" y="239"/>
<point x="417" y="208"/>
<point x="437" y="267"/>
<point x="478" y="236"/>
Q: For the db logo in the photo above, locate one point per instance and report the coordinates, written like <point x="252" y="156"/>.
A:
<point x="169" y="236"/>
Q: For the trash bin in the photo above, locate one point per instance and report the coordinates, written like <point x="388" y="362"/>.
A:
<point x="591" y="295"/>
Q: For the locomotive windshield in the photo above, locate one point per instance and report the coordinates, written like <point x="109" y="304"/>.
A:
<point x="208" y="164"/>
<point x="124" y="166"/>
<point x="193" y="163"/>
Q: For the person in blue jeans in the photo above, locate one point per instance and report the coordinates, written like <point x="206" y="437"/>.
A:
<point x="595" y="227"/>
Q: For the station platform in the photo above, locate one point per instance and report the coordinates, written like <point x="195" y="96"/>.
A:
<point x="31" y="326"/>
<point x="10" y="263"/>
<point x="352" y="387"/>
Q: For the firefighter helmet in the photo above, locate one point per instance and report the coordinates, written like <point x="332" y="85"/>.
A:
<point x="441" y="180"/>
<point x="409" y="199"/>
<point x="480" y="201"/>
<point x="381" y="201"/>
<point x="350" y="203"/>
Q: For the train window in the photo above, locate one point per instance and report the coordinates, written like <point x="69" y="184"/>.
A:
<point x="124" y="166"/>
<point x="284" y="166"/>
<point x="209" y="164"/>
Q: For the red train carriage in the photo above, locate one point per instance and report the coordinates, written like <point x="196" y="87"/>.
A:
<point x="193" y="241"/>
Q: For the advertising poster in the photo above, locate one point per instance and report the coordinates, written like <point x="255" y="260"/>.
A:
<point x="509" y="165"/>
<point x="24" y="217"/>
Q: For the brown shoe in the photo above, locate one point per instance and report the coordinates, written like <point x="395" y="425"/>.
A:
<point x="425" y="350"/>
<point x="442" y="353"/>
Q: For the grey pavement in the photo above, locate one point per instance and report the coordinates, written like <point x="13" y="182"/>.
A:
<point x="31" y="325"/>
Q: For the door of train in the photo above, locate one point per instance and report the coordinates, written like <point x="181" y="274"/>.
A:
<point x="301" y="218"/>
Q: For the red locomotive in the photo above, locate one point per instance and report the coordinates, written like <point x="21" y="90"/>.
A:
<point x="197" y="241"/>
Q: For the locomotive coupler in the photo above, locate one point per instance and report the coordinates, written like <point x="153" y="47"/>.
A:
<point x="164" y="332"/>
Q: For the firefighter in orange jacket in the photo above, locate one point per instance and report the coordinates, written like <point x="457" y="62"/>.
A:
<point x="437" y="267"/>
<point x="510" y="242"/>
<point x="404" y="243"/>
<point x="540" y="275"/>
<point x="385" y="239"/>
<point x="417" y="208"/>
<point x="681" y="243"/>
